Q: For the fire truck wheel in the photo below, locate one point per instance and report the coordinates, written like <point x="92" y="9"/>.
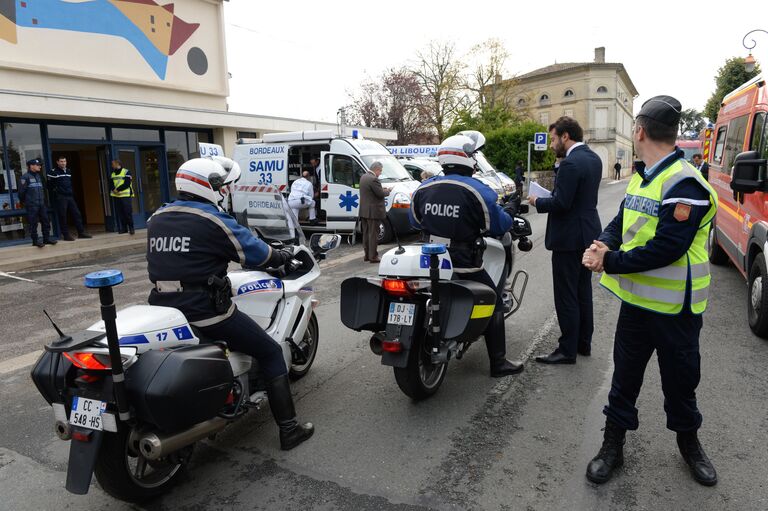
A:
<point x="717" y="255"/>
<point x="757" y="297"/>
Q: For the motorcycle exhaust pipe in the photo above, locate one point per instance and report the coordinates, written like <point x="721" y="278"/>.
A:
<point x="156" y="445"/>
<point x="375" y="343"/>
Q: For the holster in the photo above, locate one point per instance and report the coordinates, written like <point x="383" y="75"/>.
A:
<point x="220" y="293"/>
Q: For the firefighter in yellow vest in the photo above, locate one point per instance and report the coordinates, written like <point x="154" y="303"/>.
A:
<point x="121" y="190"/>
<point x="653" y="256"/>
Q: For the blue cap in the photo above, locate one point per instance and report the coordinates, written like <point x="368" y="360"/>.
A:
<point x="35" y="161"/>
<point x="104" y="278"/>
<point x="433" y="248"/>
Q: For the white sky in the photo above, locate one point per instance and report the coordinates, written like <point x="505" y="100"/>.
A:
<point x="299" y="59"/>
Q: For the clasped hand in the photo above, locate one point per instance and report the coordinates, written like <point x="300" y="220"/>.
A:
<point x="593" y="256"/>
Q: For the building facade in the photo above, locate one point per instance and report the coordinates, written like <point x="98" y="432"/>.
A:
<point x="116" y="79"/>
<point x="597" y="94"/>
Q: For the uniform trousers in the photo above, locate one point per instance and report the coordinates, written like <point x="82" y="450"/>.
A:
<point x="675" y="339"/>
<point x="244" y="335"/>
<point x="66" y="203"/>
<point x="35" y="215"/>
<point x="296" y="205"/>
<point x="124" y="207"/>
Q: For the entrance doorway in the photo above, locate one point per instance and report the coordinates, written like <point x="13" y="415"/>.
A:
<point x="88" y="163"/>
<point x="145" y="165"/>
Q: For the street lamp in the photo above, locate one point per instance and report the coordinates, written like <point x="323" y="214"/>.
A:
<point x="749" y="62"/>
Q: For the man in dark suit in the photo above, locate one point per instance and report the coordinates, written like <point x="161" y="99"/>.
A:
<point x="372" y="210"/>
<point x="701" y="165"/>
<point x="572" y="224"/>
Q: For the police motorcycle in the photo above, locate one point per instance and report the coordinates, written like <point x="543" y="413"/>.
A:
<point x="420" y="317"/>
<point x="134" y="392"/>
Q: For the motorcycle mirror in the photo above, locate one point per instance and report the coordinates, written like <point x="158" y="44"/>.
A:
<point x="324" y="242"/>
<point x="523" y="208"/>
<point x="525" y="244"/>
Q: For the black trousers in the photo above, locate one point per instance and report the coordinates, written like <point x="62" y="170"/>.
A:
<point x="676" y="341"/>
<point x="495" y="336"/>
<point x="124" y="209"/>
<point x="35" y="215"/>
<point x="66" y="203"/>
<point x="243" y="334"/>
<point x="572" y="285"/>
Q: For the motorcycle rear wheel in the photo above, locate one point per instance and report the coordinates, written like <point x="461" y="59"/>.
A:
<point x="128" y="476"/>
<point x="420" y="379"/>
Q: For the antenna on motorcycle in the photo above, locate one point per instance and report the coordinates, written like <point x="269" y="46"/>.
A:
<point x="400" y="250"/>
<point x="62" y="337"/>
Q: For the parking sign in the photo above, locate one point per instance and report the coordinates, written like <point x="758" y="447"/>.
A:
<point x="540" y="141"/>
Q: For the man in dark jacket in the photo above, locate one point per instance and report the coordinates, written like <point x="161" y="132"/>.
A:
<point x="572" y="224"/>
<point x="372" y="211"/>
<point x="32" y="194"/>
<point x="60" y="183"/>
<point x="701" y="165"/>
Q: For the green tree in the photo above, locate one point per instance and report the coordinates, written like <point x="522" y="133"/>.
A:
<point x="729" y="77"/>
<point x="504" y="147"/>
<point x="483" y="121"/>
<point x="691" y="120"/>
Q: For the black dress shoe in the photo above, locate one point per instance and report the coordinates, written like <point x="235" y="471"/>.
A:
<point x="68" y="237"/>
<point x="37" y="243"/>
<point x="555" y="358"/>
<point x="503" y="367"/>
<point x="50" y="242"/>
<point x="84" y="235"/>
<point x="701" y="468"/>
<point x="584" y="351"/>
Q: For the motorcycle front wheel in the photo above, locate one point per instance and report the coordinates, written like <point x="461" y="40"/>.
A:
<point x="302" y="362"/>
<point x="128" y="476"/>
<point x="420" y="379"/>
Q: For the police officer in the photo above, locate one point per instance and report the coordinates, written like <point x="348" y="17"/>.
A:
<point x="190" y="240"/>
<point x="462" y="209"/>
<point x="121" y="190"/>
<point x="32" y="194"/>
<point x="654" y="258"/>
<point x="60" y="183"/>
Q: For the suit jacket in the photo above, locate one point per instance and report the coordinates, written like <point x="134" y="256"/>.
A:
<point x="573" y="222"/>
<point x="372" y="197"/>
<point x="704" y="169"/>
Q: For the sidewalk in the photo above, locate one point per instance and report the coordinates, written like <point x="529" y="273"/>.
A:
<point x="26" y="257"/>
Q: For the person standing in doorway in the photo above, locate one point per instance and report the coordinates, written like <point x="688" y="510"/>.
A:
<point x="121" y="190"/>
<point x="372" y="210"/>
<point x="60" y="183"/>
<point x="32" y="194"/>
<point x="316" y="182"/>
<point x="617" y="169"/>
<point x="572" y="224"/>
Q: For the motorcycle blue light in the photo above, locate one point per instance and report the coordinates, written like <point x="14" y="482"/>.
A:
<point x="433" y="248"/>
<point x="104" y="278"/>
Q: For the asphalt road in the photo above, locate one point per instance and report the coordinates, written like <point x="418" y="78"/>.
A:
<point x="520" y="442"/>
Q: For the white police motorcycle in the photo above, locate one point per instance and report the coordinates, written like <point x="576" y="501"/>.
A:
<point x="135" y="391"/>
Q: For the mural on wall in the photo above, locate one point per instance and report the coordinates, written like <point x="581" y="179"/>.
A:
<point x="153" y="29"/>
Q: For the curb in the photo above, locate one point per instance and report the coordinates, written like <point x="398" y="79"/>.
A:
<point x="25" y="262"/>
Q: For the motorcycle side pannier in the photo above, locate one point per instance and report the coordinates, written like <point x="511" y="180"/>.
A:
<point x="363" y="305"/>
<point x="466" y="308"/>
<point x="177" y="388"/>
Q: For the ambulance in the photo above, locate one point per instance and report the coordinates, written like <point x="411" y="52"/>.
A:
<point x="275" y="161"/>
<point x="737" y="151"/>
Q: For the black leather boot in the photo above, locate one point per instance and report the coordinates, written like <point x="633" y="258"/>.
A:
<point x="496" y="343"/>
<point x="610" y="456"/>
<point x="701" y="468"/>
<point x="281" y="403"/>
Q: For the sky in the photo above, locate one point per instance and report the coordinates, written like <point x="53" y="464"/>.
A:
<point x="302" y="59"/>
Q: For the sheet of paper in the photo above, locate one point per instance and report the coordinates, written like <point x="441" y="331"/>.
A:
<point x="538" y="190"/>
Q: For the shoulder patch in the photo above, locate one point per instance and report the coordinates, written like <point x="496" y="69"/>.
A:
<point x="682" y="212"/>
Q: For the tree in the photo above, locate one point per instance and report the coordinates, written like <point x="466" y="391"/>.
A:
<point x="728" y="78"/>
<point x="484" y="82"/>
<point x="506" y="146"/>
<point x="484" y="121"/>
<point x="440" y="76"/>
<point x="691" y="121"/>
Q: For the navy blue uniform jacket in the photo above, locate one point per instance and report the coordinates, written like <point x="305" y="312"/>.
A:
<point x="573" y="222"/>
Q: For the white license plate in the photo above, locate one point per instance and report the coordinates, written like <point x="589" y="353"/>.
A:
<point x="401" y="313"/>
<point x="86" y="413"/>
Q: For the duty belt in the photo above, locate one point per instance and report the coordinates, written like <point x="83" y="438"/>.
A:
<point x="176" y="286"/>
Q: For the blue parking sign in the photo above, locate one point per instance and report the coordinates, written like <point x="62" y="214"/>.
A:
<point x="540" y="138"/>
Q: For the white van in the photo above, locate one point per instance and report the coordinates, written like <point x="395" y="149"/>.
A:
<point x="278" y="159"/>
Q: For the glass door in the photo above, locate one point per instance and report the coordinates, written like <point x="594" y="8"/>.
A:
<point x="145" y="166"/>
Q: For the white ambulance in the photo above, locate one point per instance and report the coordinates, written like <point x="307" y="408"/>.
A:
<point x="278" y="159"/>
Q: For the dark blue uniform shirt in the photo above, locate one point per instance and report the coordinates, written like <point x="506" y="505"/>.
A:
<point x="60" y="181"/>
<point x="31" y="190"/>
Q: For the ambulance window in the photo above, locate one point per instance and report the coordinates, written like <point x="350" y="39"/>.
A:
<point x="759" y="135"/>
<point x="719" y="145"/>
<point x="345" y="170"/>
<point x="734" y="141"/>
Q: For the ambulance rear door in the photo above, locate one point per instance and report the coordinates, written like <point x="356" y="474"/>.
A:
<point x="265" y="165"/>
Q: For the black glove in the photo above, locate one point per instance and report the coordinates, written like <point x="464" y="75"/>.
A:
<point x="279" y="257"/>
<point x="302" y="200"/>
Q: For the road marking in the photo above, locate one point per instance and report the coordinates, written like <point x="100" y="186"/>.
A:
<point x="4" y="274"/>
<point x="20" y="362"/>
<point x="58" y="269"/>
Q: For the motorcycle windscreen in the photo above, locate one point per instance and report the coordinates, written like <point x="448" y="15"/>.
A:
<point x="466" y="308"/>
<point x="363" y="305"/>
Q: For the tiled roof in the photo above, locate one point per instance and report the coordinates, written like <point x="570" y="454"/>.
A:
<point x="560" y="67"/>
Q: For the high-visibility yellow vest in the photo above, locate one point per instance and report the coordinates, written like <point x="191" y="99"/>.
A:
<point x="663" y="289"/>
<point x="118" y="178"/>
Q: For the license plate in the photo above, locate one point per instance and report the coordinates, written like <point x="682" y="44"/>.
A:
<point x="401" y="313"/>
<point x="86" y="413"/>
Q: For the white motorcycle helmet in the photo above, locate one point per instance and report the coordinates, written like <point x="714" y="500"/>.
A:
<point x="207" y="178"/>
<point x="457" y="153"/>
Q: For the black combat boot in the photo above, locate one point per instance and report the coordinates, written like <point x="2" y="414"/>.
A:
<point x="37" y="243"/>
<point x="49" y="241"/>
<point x="693" y="454"/>
<point x="281" y="403"/>
<point x="610" y="456"/>
<point x="496" y="343"/>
